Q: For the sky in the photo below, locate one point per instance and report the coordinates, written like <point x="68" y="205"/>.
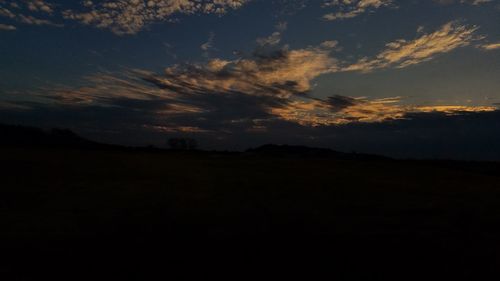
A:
<point x="413" y="78"/>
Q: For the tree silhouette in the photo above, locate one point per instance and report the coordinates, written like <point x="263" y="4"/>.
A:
<point x="182" y="144"/>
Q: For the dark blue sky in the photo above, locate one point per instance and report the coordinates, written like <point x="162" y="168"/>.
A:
<point x="239" y="73"/>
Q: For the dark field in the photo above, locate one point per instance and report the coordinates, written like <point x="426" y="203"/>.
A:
<point x="138" y="215"/>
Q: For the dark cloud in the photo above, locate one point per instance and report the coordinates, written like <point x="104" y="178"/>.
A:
<point x="425" y="135"/>
<point x="338" y="102"/>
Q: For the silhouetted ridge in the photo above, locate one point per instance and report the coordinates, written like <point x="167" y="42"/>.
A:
<point x="29" y="136"/>
<point x="23" y="136"/>
<point x="305" y="151"/>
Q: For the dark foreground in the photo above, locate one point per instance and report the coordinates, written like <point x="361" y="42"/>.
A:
<point x="71" y="214"/>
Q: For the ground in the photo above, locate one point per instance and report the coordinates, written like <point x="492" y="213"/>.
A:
<point x="87" y="214"/>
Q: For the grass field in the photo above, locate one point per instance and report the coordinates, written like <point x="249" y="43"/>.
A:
<point x="135" y="214"/>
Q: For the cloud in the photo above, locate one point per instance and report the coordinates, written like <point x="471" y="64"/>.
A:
<point x="209" y="45"/>
<point x="403" y="53"/>
<point x="40" y="6"/>
<point x="490" y="47"/>
<point x="36" y="21"/>
<point x="119" y="16"/>
<point x="13" y="106"/>
<point x="352" y="8"/>
<point x="283" y="73"/>
<point x="471" y="2"/>
<point x="346" y="9"/>
<point x="19" y="12"/>
<point x="278" y="74"/>
<point x="275" y="37"/>
<point x="7" y="27"/>
<point x="131" y="16"/>
<point x="4" y="12"/>
<point x="339" y="110"/>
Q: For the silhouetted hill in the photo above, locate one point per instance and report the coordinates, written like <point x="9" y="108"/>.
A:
<point x="16" y="135"/>
<point x="309" y="152"/>
<point x="11" y="135"/>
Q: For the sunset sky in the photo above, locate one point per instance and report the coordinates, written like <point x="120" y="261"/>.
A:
<point x="413" y="78"/>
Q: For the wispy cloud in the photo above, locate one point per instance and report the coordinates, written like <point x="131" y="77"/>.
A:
<point x="338" y="110"/>
<point x="471" y="2"/>
<point x="403" y="53"/>
<point x="490" y="47"/>
<point x="7" y="27"/>
<point x="209" y="45"/>
<point x="346" y="9"/>
<point x="275" y="37"/>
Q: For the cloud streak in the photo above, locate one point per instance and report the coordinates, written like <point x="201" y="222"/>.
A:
<point x="490" y="47"/>
<point x="403" y="53"/>
<point x="7" y="27"/>
<point x="340" y="110"/>
<point x="470" y="2"/>
<point x="347" y="9"/>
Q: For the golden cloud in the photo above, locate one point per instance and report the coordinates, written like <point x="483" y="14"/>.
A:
<point x="319" y="112"/>
<point x="402" y="53"/>
<point x="490" y="47"/>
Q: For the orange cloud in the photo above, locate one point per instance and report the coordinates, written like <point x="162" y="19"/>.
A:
<point x="319" y="112"/>
<point x="402" y="53"/>
<point x="490" y="47"/>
